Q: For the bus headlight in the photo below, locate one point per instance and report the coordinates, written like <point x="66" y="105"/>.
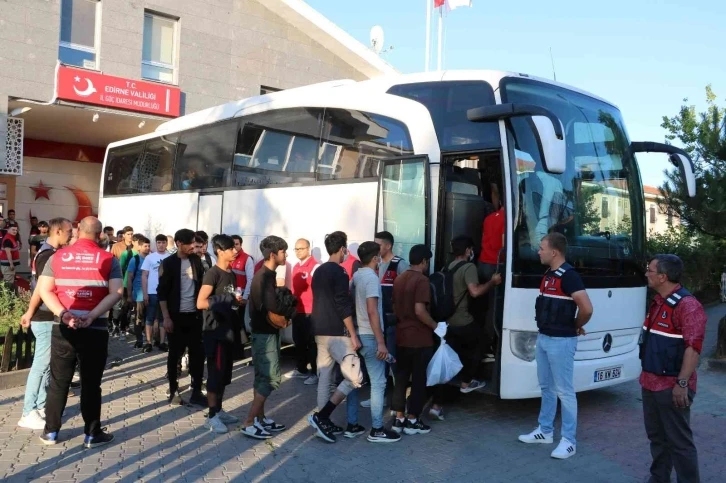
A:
<point x="523" y="344"/>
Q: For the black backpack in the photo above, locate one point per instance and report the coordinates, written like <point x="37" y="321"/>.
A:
<point x="443" y="304"/>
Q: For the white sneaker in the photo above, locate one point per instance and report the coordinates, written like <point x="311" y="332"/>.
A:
<point x="473" y="386"/>
<point x="365" y="403"/>
<point x="294" y="374"/>
<point x="537" y="436"/>
<point x="216" y="425"/>
<point x="227" y="418"/>
<point x="32" y="420"/>
<point x="564" y="450"/>
<point x="437" y="414"/>
<point x="311" y="380"/>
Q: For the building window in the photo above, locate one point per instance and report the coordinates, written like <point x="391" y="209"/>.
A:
<point x="79" y="33"/>
<point x="652" y="214"/>
<point x="158" y="61"/>
<point x="605" y="206"/>
<point x="268" y="90"/>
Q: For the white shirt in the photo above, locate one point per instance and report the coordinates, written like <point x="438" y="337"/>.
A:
<point x="151" y="265"/>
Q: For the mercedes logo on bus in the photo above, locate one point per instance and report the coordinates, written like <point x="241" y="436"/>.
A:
<point x="607" y="343"/>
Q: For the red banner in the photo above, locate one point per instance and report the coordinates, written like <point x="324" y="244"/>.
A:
<point x="89" y="87"/>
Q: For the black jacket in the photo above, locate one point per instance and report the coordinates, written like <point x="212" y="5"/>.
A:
<point x="331" y="300"/>
<point x="169" y="289"/>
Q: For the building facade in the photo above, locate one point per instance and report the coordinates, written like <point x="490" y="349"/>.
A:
<point x="76" y="75"/>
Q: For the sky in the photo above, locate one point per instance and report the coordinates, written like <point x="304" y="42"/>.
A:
<point x="645" y="56"/>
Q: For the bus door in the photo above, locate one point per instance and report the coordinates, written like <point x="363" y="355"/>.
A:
<point x="209" y="213"/>
<point x="403" y="207"/>
<point x="470" y="189"/>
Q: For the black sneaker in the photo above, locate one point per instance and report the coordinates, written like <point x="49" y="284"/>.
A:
<point x="175" y="399"/>
<point x="337" y="430"/>
<point x="75" y="385"/>
<point x="163" y="347"/>
<point x="49" y="438"/>
<point x="271" y="426"/>
<point x="198" y="399"/>
<point x="147" y="348"/>
<point x="398" y="425"/>
<point x="354" y="430"/>
<point x="322" y="427"/>
<point x="138" y="344"/>
<point x="99" y="439"/>
<point x="156" y="343"/>
<point x="416" y="428"/>
<point x="383" y="435"/>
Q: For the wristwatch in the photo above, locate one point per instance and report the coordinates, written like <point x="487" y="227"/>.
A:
<point x="683" y="383"/>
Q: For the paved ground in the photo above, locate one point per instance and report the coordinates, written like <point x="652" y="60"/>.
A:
<point x="476" y="443"/>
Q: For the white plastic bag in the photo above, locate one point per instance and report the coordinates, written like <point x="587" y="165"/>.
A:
<point x="445" y="364"/>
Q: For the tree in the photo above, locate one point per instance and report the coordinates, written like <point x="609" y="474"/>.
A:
<point x="703" y="137"/>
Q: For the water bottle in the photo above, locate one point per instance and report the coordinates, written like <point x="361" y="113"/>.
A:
<point x="237" y="294"/>
<point x="390" y="359"/>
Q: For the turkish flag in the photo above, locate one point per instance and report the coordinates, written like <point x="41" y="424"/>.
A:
<point x="439" y="3"/>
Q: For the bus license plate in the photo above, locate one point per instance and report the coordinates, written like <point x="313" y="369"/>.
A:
<point x="607" y="374"/>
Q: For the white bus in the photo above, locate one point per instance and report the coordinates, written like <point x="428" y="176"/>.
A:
<point x="416" y="155"/>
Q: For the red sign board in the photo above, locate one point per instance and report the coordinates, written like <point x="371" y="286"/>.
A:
<point x="89" y="87"/>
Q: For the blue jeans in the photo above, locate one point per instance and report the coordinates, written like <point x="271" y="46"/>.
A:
<point x="151" y="310"/>
<point x="555" y="366"/>
<point x="40" y="370"/>
<point x="377" y="374"/>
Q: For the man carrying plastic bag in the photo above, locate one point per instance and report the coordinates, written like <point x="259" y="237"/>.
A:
<point x="445" y="364"/>
<point x="414" y="344"/>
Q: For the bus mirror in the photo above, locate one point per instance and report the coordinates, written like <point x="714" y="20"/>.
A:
<point x="545" y="123"/>
<point x="678" y="158"/>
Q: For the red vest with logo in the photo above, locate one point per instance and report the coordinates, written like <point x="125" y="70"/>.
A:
<point x="302" y="283"/>
<point x="81" y="272"/>
<point x="348" y="266"/>
<point x="238" y="268"/>
<point x="14" y="251"/>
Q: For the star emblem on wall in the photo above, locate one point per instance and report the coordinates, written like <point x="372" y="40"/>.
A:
<point x="41" y="191"/>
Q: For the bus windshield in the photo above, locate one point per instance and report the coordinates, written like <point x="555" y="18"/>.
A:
<point x="597" y="203"/>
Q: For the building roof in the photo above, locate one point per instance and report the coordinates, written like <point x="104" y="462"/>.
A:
<point x="312" y="23"/>
<point x="650" y="190"/>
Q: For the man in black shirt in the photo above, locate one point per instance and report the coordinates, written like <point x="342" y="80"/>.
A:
<point x="40" y="320"/>
<point x="219" y="301"/>
<point x="265" y="338"/>
<point x="335" y="335"/>
<point x="180" y="280"/>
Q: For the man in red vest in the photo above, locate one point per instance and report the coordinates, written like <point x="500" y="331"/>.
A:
<point x="79" y="285"/>
<point x="306" y="351"/>
<point x="243" y="268"/>
<point x="10" y="254"/>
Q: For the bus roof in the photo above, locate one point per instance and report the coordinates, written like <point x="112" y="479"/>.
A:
<point x="378" y="85"/>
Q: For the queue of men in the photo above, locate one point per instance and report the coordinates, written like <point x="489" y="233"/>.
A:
<point x="357" y="318"/>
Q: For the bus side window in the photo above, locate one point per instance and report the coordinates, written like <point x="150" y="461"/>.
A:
<point x="354" y="142"/>
<point x="205" y="156"/>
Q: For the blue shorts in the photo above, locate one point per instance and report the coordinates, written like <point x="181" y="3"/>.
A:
<point x="152" y="309"/>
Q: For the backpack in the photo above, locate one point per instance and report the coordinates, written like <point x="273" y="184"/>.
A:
<point x="443" y="304"/>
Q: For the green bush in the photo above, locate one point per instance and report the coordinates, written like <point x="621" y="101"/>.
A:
<point x="12" y="307"/>
<point x="704" y="259"/>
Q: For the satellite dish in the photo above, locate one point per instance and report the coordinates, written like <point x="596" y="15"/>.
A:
<point x="377" y="39"/>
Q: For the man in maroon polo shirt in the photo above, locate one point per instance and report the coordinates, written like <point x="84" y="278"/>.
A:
<point x="670" y="346"/>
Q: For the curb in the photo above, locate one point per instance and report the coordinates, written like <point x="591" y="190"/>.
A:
<point x="13" y="378"/>
<point x="716" y="364"/>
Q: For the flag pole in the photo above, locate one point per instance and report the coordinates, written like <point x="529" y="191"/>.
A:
<point x="429" y="7"/>
<point x="440" y="37"/>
